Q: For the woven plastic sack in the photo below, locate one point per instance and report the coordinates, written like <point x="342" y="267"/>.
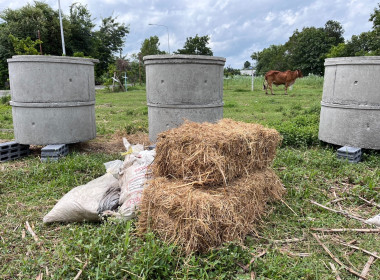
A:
<point x="135" y="172"/>
<point x="82" y="202"/>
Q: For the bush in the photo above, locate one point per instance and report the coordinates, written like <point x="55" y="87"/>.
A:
<point x="78" y="54"/>
<point x="301" y="131"/>
<point x="5" y="99"/>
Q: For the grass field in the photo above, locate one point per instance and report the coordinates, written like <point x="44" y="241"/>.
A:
<point x="112" y="250"/>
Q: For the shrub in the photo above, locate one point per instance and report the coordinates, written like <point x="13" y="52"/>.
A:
<point x="78" y="54"/>
<point x="300" y="131"/>
<point x="5" y="99"/>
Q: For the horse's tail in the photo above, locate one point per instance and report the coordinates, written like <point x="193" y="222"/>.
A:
<point x="265" y="84"/>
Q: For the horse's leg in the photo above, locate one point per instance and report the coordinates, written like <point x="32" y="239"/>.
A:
<point x="271" y="88"/>
<point x="286" y="89"/>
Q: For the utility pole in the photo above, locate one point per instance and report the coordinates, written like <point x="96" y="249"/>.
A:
<point x="125" y="81"/>
<point x="140" y="58"/>
<point x="252" y="79"/>
<point x="60" y="22"/>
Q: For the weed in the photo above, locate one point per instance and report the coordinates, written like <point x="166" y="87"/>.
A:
<point x="136" y="126"/>
<point x="154" y="259"/>
<point x="296" y="107"/>
<point x="279" y="109"/>
<point x="230" y="104"/>
<point x="5" y="99"/>
<point x="217" y="264"/>
<point x="241" y="90"/>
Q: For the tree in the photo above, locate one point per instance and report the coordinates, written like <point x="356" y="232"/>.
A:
<point x="305" y="50"/>
<point x="150" y="47"/>
<point x="334" y="32"/>
<point x="229" y="71"/>
<point x="23" y="23"/>
<point x="375" y="18"/>
<point x="78" y="27"/>
<point x="26" y="46"/>
<point x="108" y="40"/>
<point x="26" y="21"/>
<point x="196" y="45"/>
<point x="134" y="72"/>
<point x="366" y="43"/>
<point x="247" y="64"/>
<point x="80" y="36"/>
<point x="340" y="50"/>
<point x="273" y="58"/>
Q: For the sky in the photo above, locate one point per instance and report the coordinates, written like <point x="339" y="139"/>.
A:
<point x="236" y="28"/>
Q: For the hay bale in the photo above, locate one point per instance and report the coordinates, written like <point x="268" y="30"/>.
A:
<point x="201" y="218"/>
<point x="213" y="154"/>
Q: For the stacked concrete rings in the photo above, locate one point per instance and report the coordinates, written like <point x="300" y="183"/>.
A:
<point x="52" y="98"/>
<point x="350" y="107"/>
<point x="183" y="87"/>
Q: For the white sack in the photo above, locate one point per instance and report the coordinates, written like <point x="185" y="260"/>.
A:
<point x="134" y="173"/>
<point x="81" y="203"/>
<point x="374" y="220"/>
<point x="132" y="148"/>
<point x="113" y="167"/>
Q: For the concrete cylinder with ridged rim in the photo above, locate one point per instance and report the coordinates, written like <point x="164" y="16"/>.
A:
<point x="52" y="99"/>
<point x="183" y="87"/>
<point x="350" y="107"/>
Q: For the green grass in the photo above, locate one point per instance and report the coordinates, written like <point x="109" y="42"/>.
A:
<point x="112" y="250"/>
<point x="121" y="111"/>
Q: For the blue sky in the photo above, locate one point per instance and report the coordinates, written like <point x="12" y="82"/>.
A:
<point x="236" y="28"/>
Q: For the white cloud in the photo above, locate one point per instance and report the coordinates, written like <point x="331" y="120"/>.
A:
<point x="289" y="17"/>
<point x="237" y="28"/>
<point x="270" y="17"/>
<point x="221" y="4"/>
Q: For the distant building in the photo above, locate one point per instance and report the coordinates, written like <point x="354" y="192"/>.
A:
<point x="247" y="72"/>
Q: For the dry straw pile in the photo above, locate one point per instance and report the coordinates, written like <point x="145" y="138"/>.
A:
<point x="214" y="153"/>
<point x="212" y="183"/>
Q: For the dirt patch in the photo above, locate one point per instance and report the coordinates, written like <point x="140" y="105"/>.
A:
<point x="9" y="165"/>
<point x="4" y="140"/>
<point x="111" y="144"/>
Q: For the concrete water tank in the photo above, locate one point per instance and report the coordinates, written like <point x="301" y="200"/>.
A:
<point x="52" y="99"/>
<point x="180" y="87"/>
<point x="350" y="107"/>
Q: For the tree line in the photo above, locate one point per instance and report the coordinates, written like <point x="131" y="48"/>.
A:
<point x="35" y="29"/>
<point x="307" y="49"/>
<point x="134" y="67"/>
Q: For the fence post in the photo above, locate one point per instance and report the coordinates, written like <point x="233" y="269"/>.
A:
<point x="252" y="80"/>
